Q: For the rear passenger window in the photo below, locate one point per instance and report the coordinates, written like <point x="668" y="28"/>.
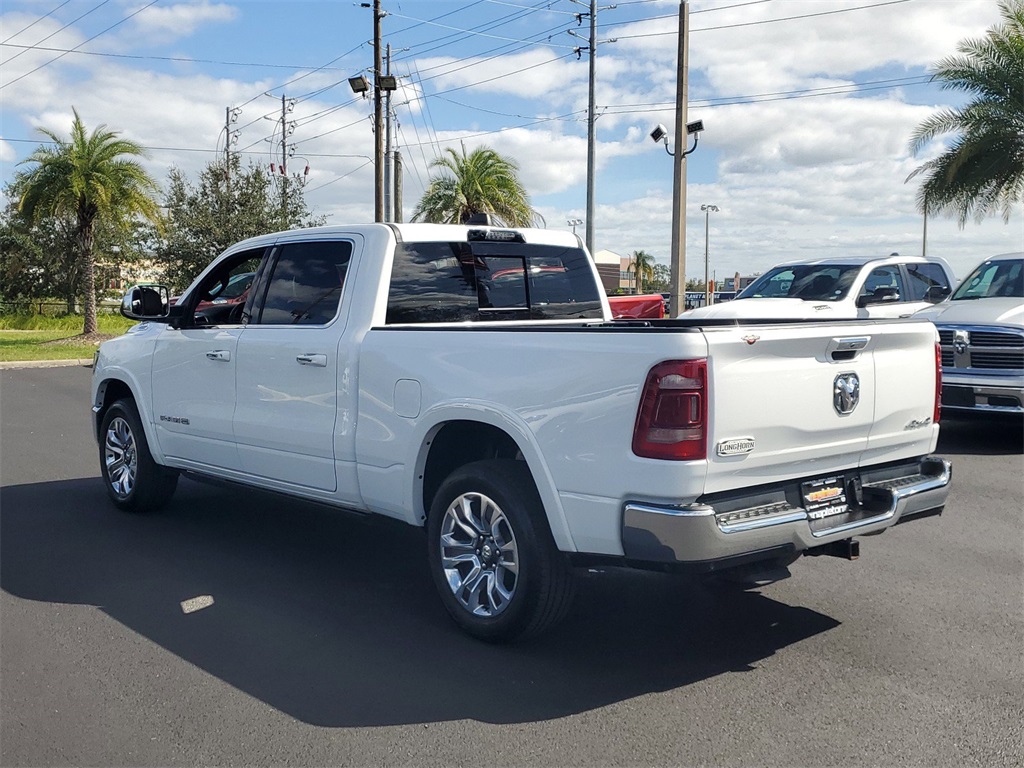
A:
<point x="305" y="284"/>
<point x="923" y="277"/>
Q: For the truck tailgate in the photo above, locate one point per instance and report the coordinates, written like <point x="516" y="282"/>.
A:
<point x="804" y="399"/>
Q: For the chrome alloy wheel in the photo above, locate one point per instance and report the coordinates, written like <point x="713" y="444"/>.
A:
<point x="479" y="555"/>
<point x="120" y="456"/>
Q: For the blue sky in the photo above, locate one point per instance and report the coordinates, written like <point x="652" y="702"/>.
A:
<point x="807" y="104"/>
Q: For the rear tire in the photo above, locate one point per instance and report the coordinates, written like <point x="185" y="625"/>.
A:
<point x="492" y="556"/>
<point x="134" y="481"/>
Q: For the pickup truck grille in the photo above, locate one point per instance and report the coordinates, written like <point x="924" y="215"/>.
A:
<point x="982" y="348"/>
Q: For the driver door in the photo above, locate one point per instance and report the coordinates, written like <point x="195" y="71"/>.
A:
<point x="194" y="374"/>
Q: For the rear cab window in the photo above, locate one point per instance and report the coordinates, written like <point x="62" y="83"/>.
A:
<point x="438" y="282"/>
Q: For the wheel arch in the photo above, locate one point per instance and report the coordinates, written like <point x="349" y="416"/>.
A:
<point x="456" y="439"/>
<point x="113" y="388"/>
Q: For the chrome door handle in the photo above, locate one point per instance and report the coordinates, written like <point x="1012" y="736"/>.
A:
<point x="319" y="361"/>
<point x="219" y="354"/>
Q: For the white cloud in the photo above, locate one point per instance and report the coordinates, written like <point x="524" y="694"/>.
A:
<point x="170" y="22"/>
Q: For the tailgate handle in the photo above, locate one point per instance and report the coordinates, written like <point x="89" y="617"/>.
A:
<point x="843" y="349"/>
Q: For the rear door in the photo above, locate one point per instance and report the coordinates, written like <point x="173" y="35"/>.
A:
<point x="292" y="368"/>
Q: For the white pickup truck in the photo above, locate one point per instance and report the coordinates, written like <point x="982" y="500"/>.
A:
<point x="469" y="380"/>
<point x="848" y="287"/>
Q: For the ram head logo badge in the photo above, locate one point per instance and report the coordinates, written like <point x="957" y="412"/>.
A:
<point x="845" y="393"/>
<point x="960" y="341"/>
<point x="751" y="338"/>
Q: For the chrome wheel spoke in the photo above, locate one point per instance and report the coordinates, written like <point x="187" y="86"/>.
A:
<point x="465" y="518"/>
<point x="470" y="591"/>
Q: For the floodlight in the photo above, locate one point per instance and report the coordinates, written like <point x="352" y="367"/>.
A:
<point x="359" y="84"/>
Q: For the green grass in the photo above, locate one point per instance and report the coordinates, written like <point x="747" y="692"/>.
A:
<point x="69" y="324"/>
<point x="23" y="337"/>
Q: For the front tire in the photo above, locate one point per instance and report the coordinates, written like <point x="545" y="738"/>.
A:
<point x="494" y="562"/>
<point x="134" y="481"/>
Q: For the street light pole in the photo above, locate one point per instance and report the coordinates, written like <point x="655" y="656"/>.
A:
<point x="678" y="254"/>
<point x="378" y="120"/>
<point x="707" y="275"/>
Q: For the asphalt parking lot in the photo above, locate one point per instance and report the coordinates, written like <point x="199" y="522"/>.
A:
<point x="323" y="643"/>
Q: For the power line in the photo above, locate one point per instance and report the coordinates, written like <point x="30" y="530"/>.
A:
<point x="173" y="59"/>
<point x="94" y="8"/>
<point x="754" y="23"/>
<point x="44" y="16"/>
<point x="102" y="32"/>
<point x="457" y="36"/>
<point x="549" y="9"/>
<point x="473" y="32"/>
<point x="461" y="9"/>
<point x="339" y="178"/>
<point x="725" y="101"/>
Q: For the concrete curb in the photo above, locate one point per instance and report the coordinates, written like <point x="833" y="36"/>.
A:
<point x="85" y="362"/>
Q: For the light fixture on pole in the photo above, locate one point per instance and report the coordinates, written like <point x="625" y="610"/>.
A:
<point x="574" y="223"/>
<point x="707" y="276"/>
<point x="660" y="133"/>
<point x="359" y="84"/>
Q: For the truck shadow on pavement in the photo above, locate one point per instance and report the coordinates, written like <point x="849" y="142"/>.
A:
<point x="335" y="622"/>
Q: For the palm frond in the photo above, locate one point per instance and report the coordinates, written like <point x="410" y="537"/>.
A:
<point x="982" y="171"/>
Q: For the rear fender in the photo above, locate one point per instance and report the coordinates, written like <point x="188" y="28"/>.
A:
<point x="512" y="425"/>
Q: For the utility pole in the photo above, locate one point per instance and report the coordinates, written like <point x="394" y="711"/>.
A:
<point x="678" y="256"/>
<point x="591" y="113"/>
<point x="591" y="118"/>
<point x="388" y="216"/>
<point x="228" y="119"/>
<point x="398" y="186"/>
<point x="284" y="136"/>
<point x="378" y="122"/>
<point x="284" y="162"/>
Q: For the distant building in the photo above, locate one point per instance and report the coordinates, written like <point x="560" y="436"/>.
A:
<point x="609" y="267"/>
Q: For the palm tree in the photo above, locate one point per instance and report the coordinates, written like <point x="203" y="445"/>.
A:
<point x="983" y="171"/>
<point x="91" y="178"/>
<point x="479" y="182"/>
<point x="642" y="265"/>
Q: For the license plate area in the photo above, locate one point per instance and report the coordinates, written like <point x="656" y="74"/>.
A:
<point x="825" y="497"/>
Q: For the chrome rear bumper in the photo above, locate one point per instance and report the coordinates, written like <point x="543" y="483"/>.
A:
<point x="770" y="519"/>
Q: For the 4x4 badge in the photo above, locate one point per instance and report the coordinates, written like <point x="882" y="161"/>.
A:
<point x="845" y="393"/>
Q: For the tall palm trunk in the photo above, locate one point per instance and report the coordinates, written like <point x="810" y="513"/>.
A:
<point x="85" y="243"/>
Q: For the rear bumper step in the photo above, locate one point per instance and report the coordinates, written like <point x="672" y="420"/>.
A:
<point x="730" y="525"/>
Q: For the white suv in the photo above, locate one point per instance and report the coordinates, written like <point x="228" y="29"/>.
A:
<point x="852" y="287"/>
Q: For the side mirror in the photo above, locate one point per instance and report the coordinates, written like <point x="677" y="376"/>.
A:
<point x="937" y="293"/>
<point x="146" y="302"/>
<point x="879" y="296"/>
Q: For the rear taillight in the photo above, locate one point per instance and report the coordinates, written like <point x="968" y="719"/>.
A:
<point x="937" y="411"/>
<point x="671" y="422"/>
